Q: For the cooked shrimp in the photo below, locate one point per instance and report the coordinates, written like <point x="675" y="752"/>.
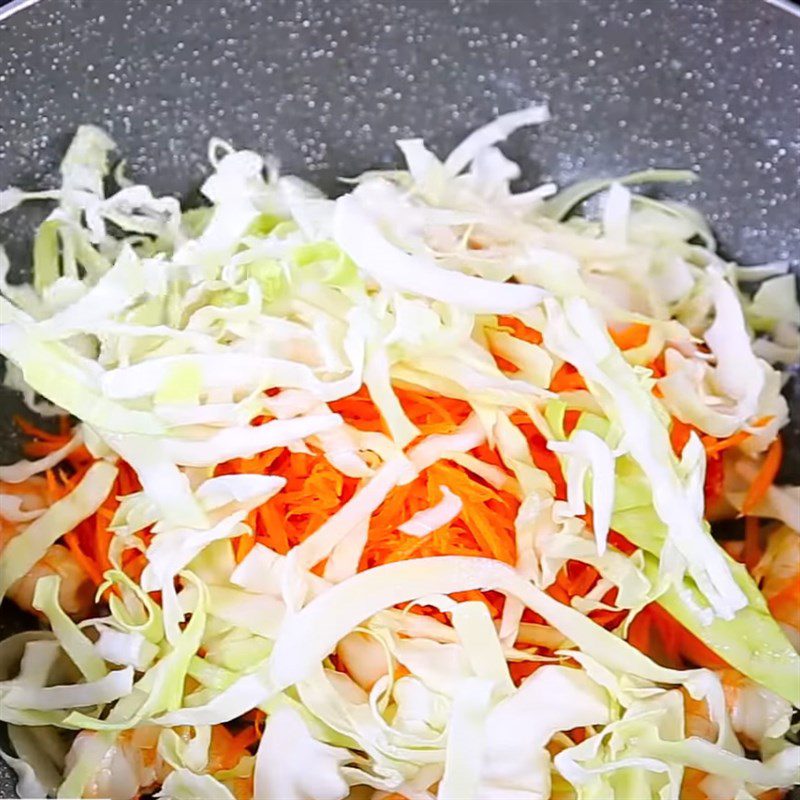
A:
<point x="691" y="785"/>
<point x="132" y="766"/>
<point x="76" y="593"/>
<point x="241" y="788"/>
<point x="225" y="750"/>
<point x="778" y="573"/>
<point x="755" y="712"/>
<point x="363" y="658"/>
<point x="698" y="785"/>
<point x="128" y="768"/>
<point x="697" y="719"/>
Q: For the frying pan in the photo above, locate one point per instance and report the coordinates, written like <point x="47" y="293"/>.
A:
<point x="328" y="86"/>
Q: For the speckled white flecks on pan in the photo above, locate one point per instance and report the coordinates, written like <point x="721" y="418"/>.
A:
<point x="329" y="84"/>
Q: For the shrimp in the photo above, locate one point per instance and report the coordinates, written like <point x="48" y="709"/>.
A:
<point x="132" y="766"/>
<point x="363" y="658"/>
<point x="698" y="785"/>
<point x="778" y="573"/>
<point x="128" y="767"/>
<point x="224" y="752"/>
<point x="76" y="593"/>
<point x="697" y="719"/>
<point x="755" y="712"/>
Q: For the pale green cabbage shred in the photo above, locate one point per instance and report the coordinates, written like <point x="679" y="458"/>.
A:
<point x="162" y="330"/>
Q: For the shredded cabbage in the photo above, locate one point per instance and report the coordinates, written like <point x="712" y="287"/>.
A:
<point x="399" y="471"/>
<point x="25" y="549"/>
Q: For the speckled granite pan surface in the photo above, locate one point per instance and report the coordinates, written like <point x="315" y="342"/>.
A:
<point x="328" y="85"/>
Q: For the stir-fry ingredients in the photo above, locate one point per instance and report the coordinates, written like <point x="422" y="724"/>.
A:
<point x="406" y="494"/>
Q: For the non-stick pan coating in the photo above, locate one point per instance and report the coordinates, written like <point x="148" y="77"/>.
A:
<point x="328" y="86"/>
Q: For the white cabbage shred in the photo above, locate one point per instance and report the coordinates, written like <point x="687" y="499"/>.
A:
<point x="185" y="340"/>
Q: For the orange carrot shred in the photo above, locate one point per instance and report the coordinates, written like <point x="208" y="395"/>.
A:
<point x="567" y="379"/>
<point x="35" y="432"/>
<point x="484" y="527"/>
<point x="102" y="541"/>
<point x="571" y="418"/>
<point x="765" y="478"/>
<point x="520" y="330"/>
<point x="679" y="434"/>
<point x="275" y="528"/>
<point x="633" y="335"/>
<point x="86" y="563"/>
<point x="714" y="446"/>
<point x="244" y="545"/>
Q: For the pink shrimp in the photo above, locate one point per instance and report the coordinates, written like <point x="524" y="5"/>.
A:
<point x="755" y="712"/>
<point x="76" y="593"/>
<point x="778" y="573"/>
<point x="132" y="766"/>
<point x="129" y="767"/>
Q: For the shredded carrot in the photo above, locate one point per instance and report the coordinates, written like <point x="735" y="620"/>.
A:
<point x="258" y="721"/>
<point x="567" y="379"/>
<point x="772" y="794"/>
<point x="571" y="418"/>
<point x="691" y="784"/>
<point x="53" y="487"/>
<point x="658" y="366"/>
<point x="225" y="749"/>
<point x="135" y="568"/>
<point x="577" y="578"/>
<point x="359" y="411"/>
<point x="420" y="405"/>
<point x="714" y="446"/>
<point x="484" y="527"/>
<point x="679" y="434"/>
<point x="275" y="530"/>
<point x="577" y="735"/>
<point x="621" y="543"/>
<point x="633" y="335"/>
<point x="246" y="737"/>
<point x="542" y="456"/>
<point x="243" y="546"/>
<point x="559" y="592"/>
<point x="102" y="541"/>
<point x="86" y="563"/>
<point x="35" y="432"/>
<point x="765" y="478"/>
<point x="787" y="597"/>
<point x="504" y="364"/>
<point x="659" y="635"/>
<point x="520" y="329"/>
<point x="715" y="480"/>
<point x="607" y="618"/>
<point x="37" y="449"/>
<point x="522" y="669"/>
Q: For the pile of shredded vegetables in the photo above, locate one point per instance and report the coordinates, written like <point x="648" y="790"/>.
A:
<point x="402" y="495"/>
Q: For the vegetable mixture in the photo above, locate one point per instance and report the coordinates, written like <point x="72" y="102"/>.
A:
<point x="406" y="494"/>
